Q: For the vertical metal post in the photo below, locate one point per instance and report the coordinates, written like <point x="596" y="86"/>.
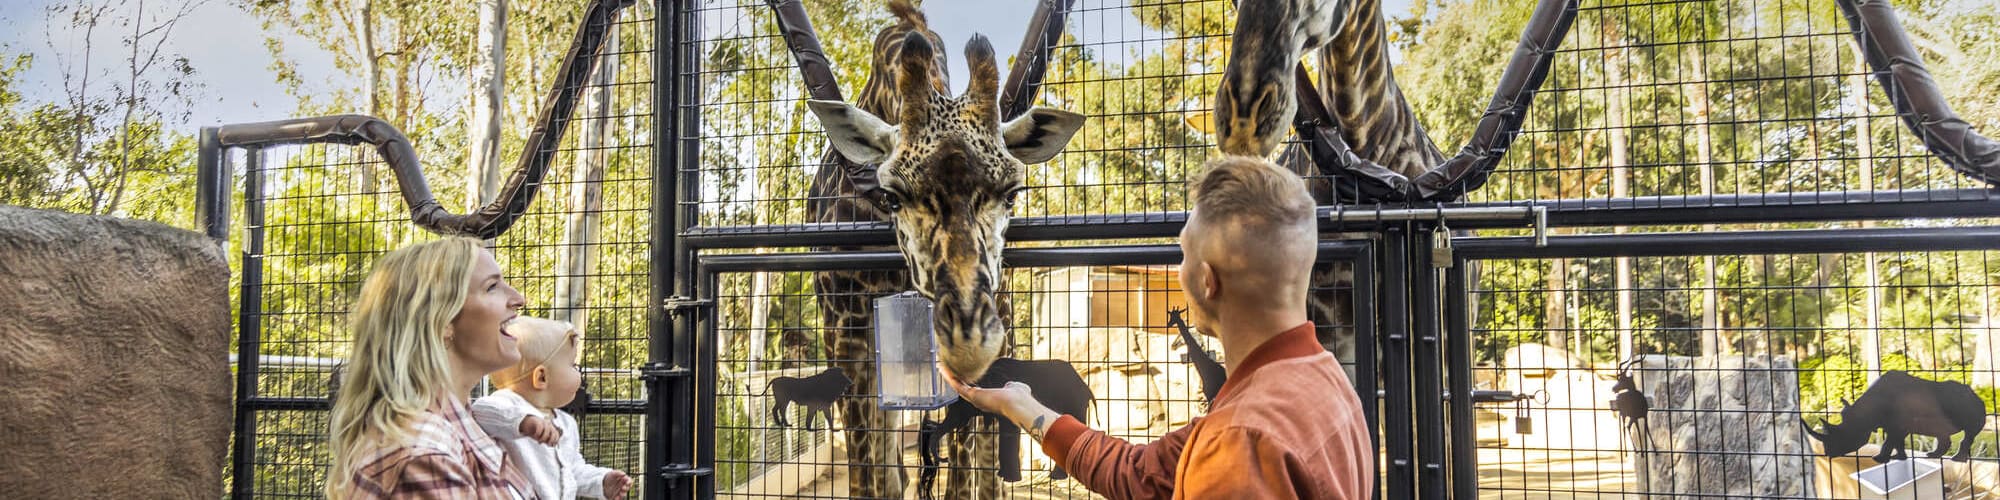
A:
<point x="211" y="189"/>
<point x="706" y="371"/>
<point x="1366" y="345"/>
<point x="696" y="432"/>
<point x="249" y="320"/>
<point x="666" y="43"/>
<point x="675" y="430"/>
<point x="1428" y="392"/>
<point x="1395" y="291"/>
<point x="1458" y="358"/>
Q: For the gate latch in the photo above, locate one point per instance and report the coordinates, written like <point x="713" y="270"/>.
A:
<point x="684" y="471"/>
<point x="681" y="303"/>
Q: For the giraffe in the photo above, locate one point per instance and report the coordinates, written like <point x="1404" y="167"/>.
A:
<point x="947" y="173"/>
<point x="1256" y="98"/>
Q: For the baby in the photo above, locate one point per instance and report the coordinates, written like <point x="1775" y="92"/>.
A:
<point x="522" y="415"/>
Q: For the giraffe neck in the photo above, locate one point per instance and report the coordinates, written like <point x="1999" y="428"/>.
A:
<point x="832" y="196"/>
<point x="1360" y="90"/>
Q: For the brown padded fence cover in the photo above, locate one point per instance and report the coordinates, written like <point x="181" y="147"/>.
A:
<point x="114" y="370"/>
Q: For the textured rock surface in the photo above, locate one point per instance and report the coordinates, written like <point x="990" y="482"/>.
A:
<point x="1727" y="426"/>
<point x="114" y="337"/>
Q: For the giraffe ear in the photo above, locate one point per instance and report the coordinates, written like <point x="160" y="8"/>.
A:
<point x="1037" y="136"/>
<point x="858" y="135"/>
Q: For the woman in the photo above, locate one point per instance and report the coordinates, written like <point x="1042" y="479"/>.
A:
<point x="427" y="328"/>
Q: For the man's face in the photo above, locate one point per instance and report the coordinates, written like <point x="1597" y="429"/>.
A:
<point x="1196" y="274"/>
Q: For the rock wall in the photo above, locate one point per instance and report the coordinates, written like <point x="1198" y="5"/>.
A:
<point x="1727" y="426"/>
<point x="114" y="344"/>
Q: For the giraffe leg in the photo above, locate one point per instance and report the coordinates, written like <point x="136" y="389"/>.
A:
<point x="1332" y="308"/>
<point x="874" y="461"/>
<point x="975" y="464"/>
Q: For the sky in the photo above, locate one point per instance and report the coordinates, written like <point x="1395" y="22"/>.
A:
<point x="226" y="48"/>
<point x="221" y="41"/>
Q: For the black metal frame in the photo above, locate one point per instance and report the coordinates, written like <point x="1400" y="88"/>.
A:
<point x="709" y="268"/>
<point x="1456" y="304"/>
<point x="1838" y="206"/>
<point x="1424" y="357"/>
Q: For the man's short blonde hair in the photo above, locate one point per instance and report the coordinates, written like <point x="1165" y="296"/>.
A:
<point x="1251" y="193"/>
<point x="539" y="340"/>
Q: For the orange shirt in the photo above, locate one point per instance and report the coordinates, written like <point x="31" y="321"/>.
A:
<point x="1287" y="424"/>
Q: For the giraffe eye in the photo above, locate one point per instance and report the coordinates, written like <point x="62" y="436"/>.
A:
<point x="890" y="201"/>
<point x="1011" y="196"/>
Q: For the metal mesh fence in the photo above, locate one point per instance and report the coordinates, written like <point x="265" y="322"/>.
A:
<point x="1142" y="71"/>
<point x="1664" y="104"/>
<point x="1767" y="101"/>
<point x="1111" y="324"/>
<point x="579" y="254"/>
<point x="1730" y="352"/>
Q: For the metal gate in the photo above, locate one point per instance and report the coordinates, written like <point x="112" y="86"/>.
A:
<point x="711" y="296"/>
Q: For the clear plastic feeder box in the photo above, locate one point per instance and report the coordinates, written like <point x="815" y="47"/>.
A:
<point x="906" y="355"/>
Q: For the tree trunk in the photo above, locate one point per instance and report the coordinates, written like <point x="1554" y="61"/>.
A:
<point x="489" y="85"/>
<point x="1615" y="124"/>
<point x="1555" y="312"/>
<point x="371" y="86"/>
<point x="1864" y="141"/>
<point x="131" y="105"/>
<point x="1711" y="314"/>
<point x="587" y="196"/>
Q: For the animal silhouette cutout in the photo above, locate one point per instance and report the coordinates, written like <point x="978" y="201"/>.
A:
<point x="1212" y="373"/>
<point x="1901" y="404"/>
<point x="817" y="393"/>
<point x="1055" y="384"/>
<point x="1632" y="406"/>
<point x="928" y="435"/>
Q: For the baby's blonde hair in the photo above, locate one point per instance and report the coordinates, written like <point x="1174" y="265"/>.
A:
<point x="540" y="340"/>
<point x="399" y="364"/>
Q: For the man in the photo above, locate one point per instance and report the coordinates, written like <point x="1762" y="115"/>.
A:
<point x="1287" y="424"/>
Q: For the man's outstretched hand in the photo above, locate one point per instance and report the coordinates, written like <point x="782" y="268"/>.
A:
<point x="1015" y="400"/>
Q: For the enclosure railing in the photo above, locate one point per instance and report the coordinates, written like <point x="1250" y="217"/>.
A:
<point x="1413" y="305"/>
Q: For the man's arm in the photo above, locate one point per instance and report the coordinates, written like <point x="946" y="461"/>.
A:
<point x="1114" y="467"/>
<point x="1106" y="465"/>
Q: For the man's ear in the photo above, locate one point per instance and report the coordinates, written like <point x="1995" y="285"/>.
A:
<point x="539" y="379"/>
<point x="1211" y="282"/>
<point x="858" y="135"/>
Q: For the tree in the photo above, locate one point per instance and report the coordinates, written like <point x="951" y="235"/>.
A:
<point x="489" y="88"/>
<point x="105" y="148"/>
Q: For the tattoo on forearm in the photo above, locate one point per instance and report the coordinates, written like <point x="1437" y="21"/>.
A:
<point x="1036" y="430"/>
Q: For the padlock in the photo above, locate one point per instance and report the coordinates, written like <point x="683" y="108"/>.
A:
<point x="1523" y="424"/>
<point x="1441" y="248"/>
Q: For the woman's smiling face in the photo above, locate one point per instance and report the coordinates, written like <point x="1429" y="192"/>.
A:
<point x="478" y="341"/>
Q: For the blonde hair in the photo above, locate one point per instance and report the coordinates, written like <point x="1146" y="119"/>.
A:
<point x="540" y="340"/>
<point x="1262" y="221"/>
<point x="400" y="364"/>
<point x="1252" y="192"/>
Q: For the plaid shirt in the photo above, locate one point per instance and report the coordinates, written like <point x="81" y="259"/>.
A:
<point x="450" y="458"/>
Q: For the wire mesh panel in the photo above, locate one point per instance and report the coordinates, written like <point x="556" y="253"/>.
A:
<point x="323" y="214"/>
<point x="1143" y="72"/>
<point x="1670" y="102"/>
<point x="1728" y="354"/>
<point x="1113" y="327"/>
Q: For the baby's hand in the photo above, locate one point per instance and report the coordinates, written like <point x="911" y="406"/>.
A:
<point x="539" y="429"/>
<point x="615" y="484"/>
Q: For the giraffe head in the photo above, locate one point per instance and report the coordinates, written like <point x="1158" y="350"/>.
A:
<point x="948" y="172"/>
<point x="1255" y="101"/>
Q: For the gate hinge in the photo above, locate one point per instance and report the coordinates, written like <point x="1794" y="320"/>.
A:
<point x="681" y="303"/>
<point x="684" y="471"/>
